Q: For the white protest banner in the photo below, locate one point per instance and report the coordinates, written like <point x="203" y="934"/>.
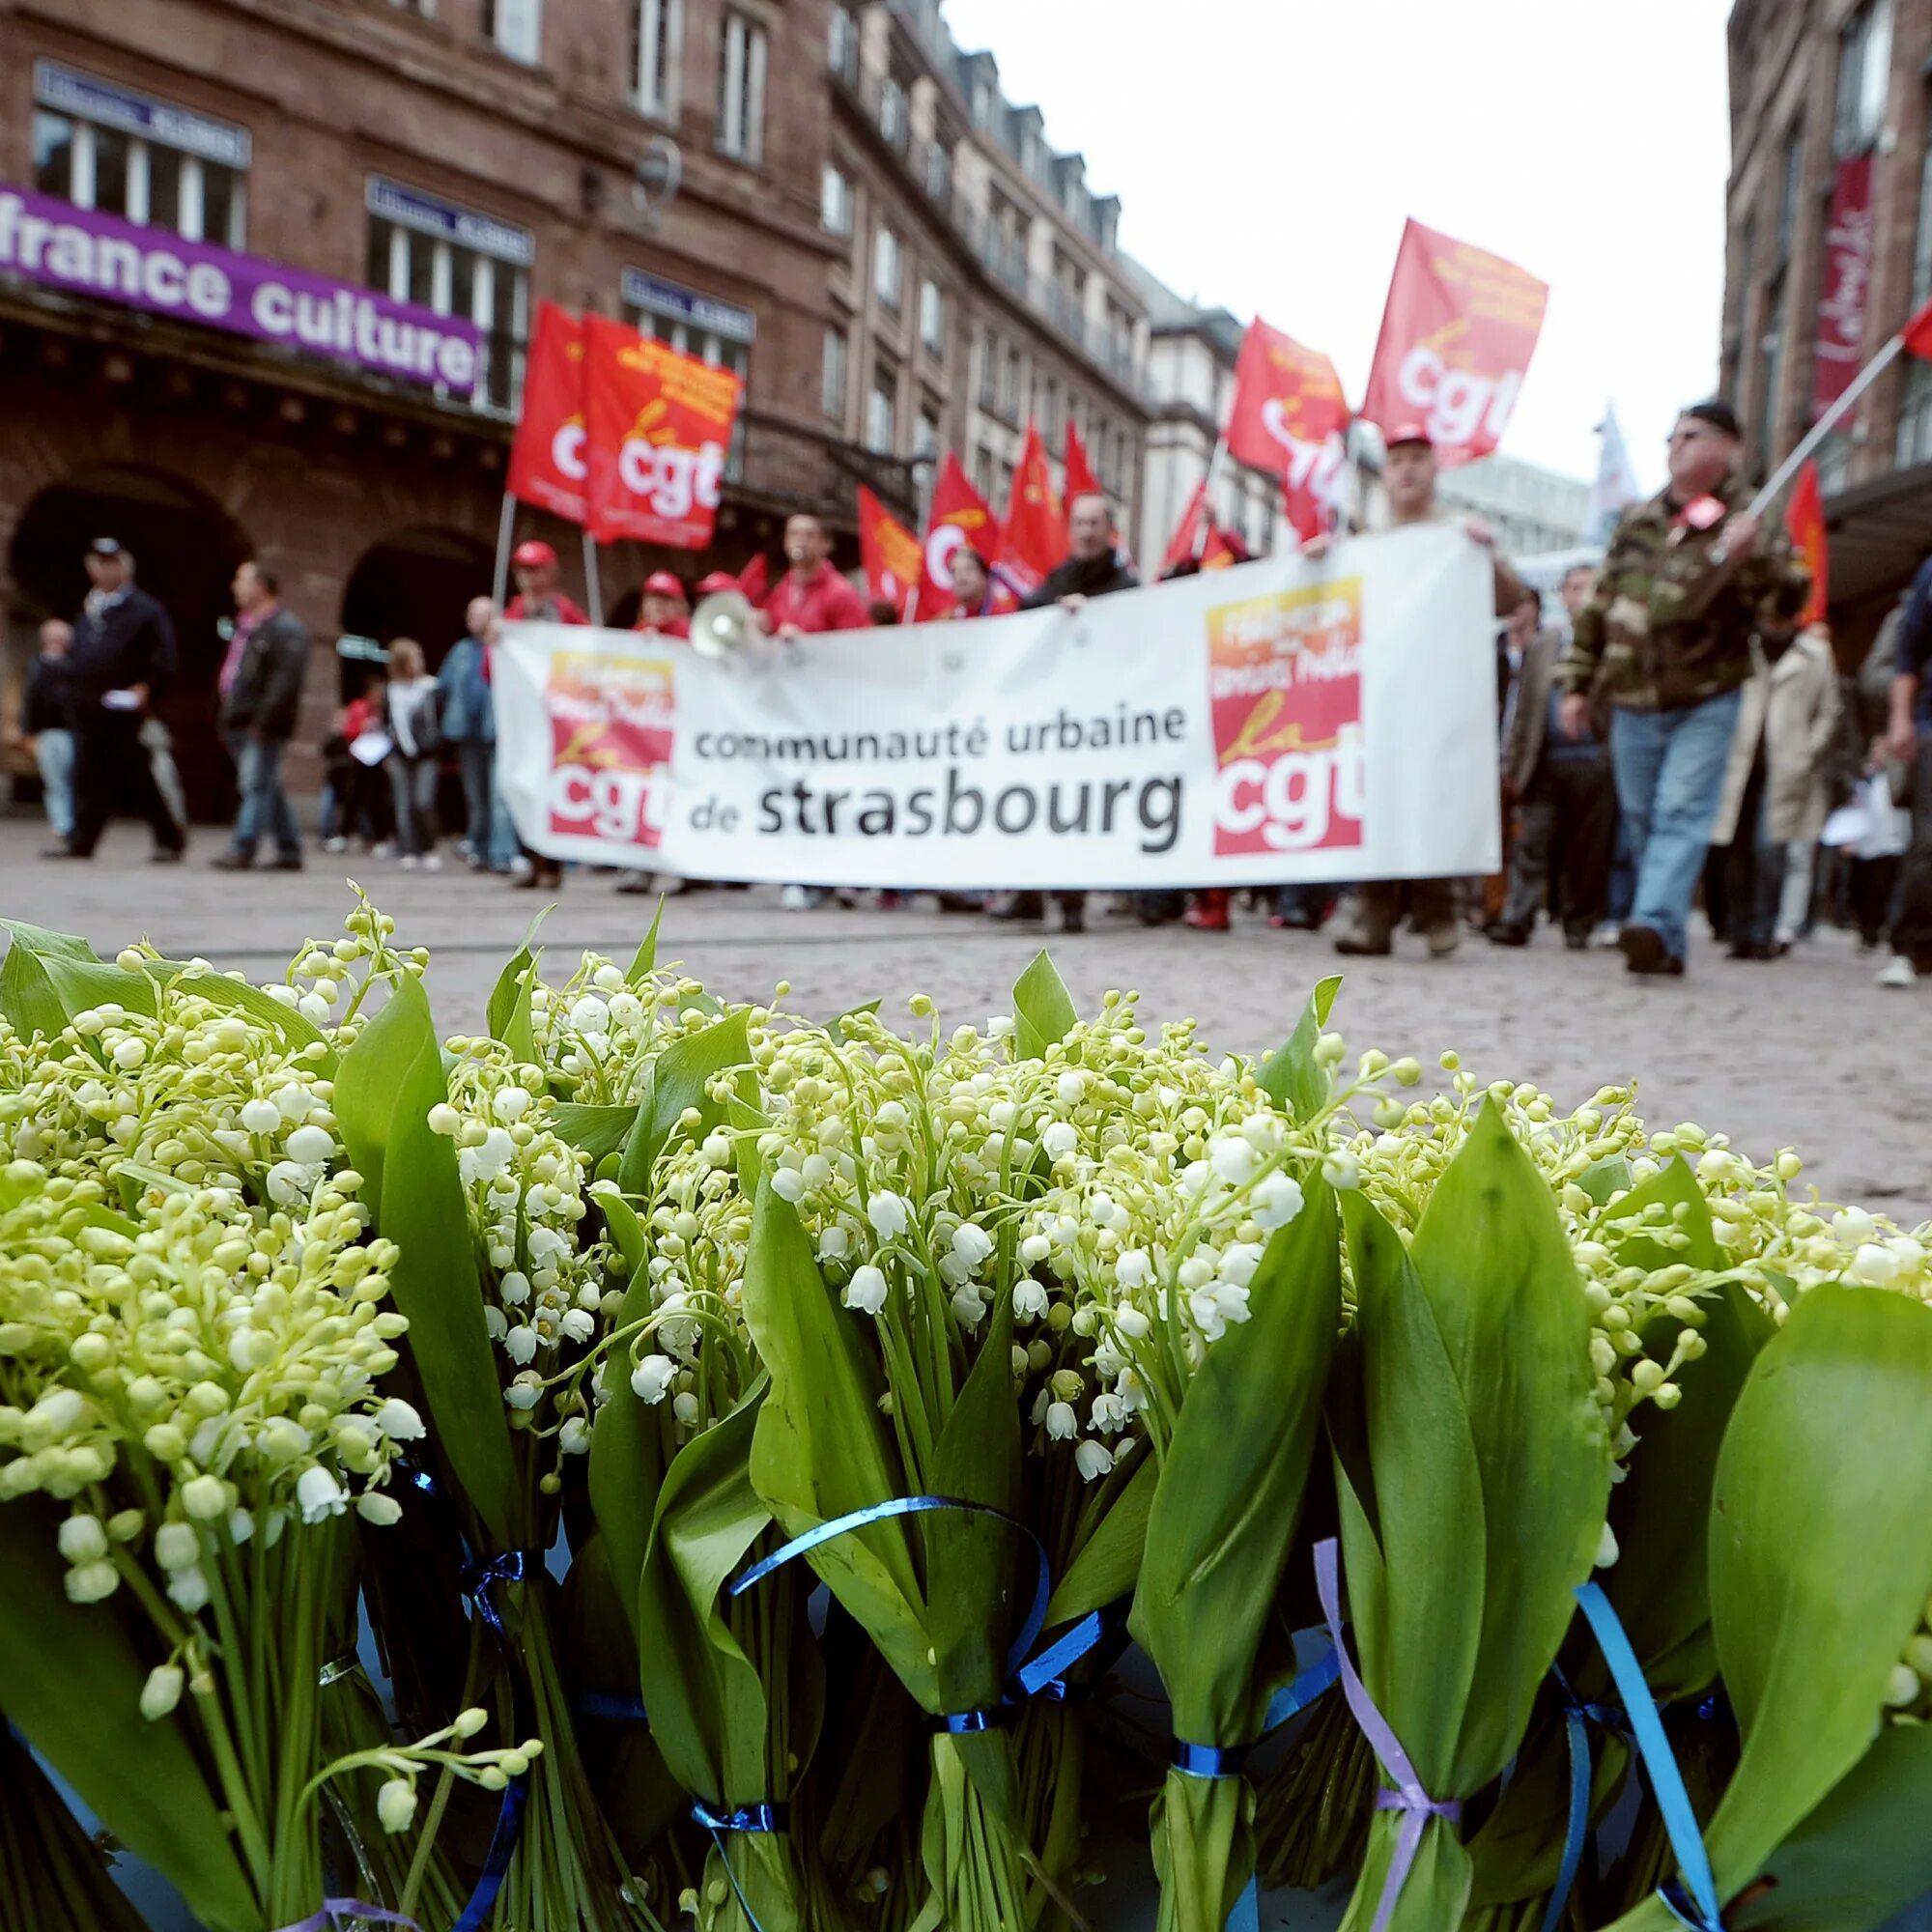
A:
<point x="1283" y="720"/>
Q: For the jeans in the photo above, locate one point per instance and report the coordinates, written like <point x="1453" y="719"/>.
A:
<point x="476" y="761"/>
<point x="1754" y="875"/>
<point x="1568" y="822"/>
<point x="414" y="781"/>
<point x="1794" y="904"/>
<point x="1911" y="930"/>
<point x="265" y="806"/>
<point x="1670" y="777"/>
<point x="53" y="752"/>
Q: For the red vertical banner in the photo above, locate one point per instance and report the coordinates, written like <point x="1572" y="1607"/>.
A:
<point x="960" y="519"/>
<point x="888" y="553"/>
<point x="1289" y="415"/>
<point x="549" y="461"/>
<point x="1034" y="537"/>
<point x="1457" y="337"/>
<point x="1845" y="293"/>
<point x="1080" y="478"/>
<point x="660" y="424"/>
<point x="1805" y="520"/>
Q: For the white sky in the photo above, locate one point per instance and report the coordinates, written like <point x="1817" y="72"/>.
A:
<point x="1266" y="153"/>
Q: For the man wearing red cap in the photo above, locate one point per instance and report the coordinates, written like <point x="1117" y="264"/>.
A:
<point x="664" y="609"/>
<point x="1409" y="482"/>
<point x="538" y="600"/>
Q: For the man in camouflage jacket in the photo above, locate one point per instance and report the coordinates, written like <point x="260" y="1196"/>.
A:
<point x="1691" y="579"/>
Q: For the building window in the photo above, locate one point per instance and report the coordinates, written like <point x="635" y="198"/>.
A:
<point x="888" y="269"/>
<point x="985" y="102"/>
<point x="932" y="317"/>
<point x="1773" y="371"/>
<point x="1790" y="180"/>
<point x="925" y="435"/>
<point x="719" y="333"/>
<point x="156" y="165"/>
<point x="837" y="354"/>
<point x="893" y="113"/>
<point x="835" y="202"/>
<point x="938" y="173"/>
<point x="455" y="261"/>
<point x="882" y="413"/>
<point x="657" y="44"/>
<point x="842" y="52"/>
<point x="741" y="89"/>
<point x="516" y="26"/>
<point x="1865" y="76"/>
<point x="1012" y="379"/>
<point x="989" y="371"/>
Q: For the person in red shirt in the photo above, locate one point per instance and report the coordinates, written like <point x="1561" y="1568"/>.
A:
<point x="537" y="598"/>
<point x="664" y="609"/>
<point x="811" y="596"/>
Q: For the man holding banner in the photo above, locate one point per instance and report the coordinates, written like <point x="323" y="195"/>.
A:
<point x="1689" y="579"/>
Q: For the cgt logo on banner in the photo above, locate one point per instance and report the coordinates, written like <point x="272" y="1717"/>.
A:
<point x="612" y="722"/>
<point x="1284" y="689"/>
<point x="1294" y="719"/>
<point x="548" y="462"/>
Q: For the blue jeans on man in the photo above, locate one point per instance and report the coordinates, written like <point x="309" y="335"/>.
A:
<point x="265" y="806"/>
<point x="53" y="753"/>
<point x="1670" y="780"/>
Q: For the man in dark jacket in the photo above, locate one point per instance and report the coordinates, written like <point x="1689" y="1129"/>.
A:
<point x="123" y="656"/>
<point x="258" y="716"/>
<point x="1093" y="567"/>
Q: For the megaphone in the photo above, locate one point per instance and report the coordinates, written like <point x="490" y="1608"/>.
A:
<point x="724" y="625"/>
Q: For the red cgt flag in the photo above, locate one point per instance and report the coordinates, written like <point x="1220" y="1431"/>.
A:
<point x="1199" y="536"/>
<point x="1080" y="478"/>
<point x="548" y="462"/>
<point x="1805" y="522"/>
<point x="959" y="517"/>
<point x="1288" y="406"/>
<point x="889" y="551"/>
<point x="1035" y="536"/>
<point x="660" y="424"/>
<point x="1458" y="334"/>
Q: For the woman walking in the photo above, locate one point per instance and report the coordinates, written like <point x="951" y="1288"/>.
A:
<point x="410" y="711"/>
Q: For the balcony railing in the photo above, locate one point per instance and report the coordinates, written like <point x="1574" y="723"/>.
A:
<point x="791" y="468"/>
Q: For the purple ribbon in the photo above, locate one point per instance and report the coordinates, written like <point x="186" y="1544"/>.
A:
<point x="1407" y="1797"/>
<point x="334" y="1909"/>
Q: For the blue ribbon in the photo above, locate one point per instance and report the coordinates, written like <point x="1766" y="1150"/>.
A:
<point x="1227" y="1760"/>
<point x="607" y="1707"/>
<point x="480" y="1578"/>
<point x="336" y="1909"/>
<point x="497" y="1860"/>
<point x="958" y="1722"/>
<point x="1576" y="1833"/>
<point x="746" y="1818"/>
<point x="1692" y="1901"/>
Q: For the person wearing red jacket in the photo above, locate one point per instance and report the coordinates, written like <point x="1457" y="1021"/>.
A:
<point x="663" y="610"/>
<point x="538" y="600"/>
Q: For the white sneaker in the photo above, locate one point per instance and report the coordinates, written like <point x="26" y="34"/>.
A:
<point x="1608" y="935"/>
<point x="521" y="869"/>
<point x="411" y="861"/>
<point x="796" y="898"/>
<point x="381" y="849"/>
<point x="432" y="862"/>
<point x="337" y="844"/>
<point x="1899" y="972"/>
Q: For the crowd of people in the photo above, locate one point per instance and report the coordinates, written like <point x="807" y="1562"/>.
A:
<point x="1678" y="732"/>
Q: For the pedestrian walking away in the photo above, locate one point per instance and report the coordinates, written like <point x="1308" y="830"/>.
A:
<point x="46" y="724"/>
<point x="122" y="659"/>
<point x="1408" y="479"/>
<point x="1908" y="740"/>
<point x="261" y="684"/>
<point x="1689" y="577"/>
<point x="469" y="721"/>
<point x="409" y="715"/>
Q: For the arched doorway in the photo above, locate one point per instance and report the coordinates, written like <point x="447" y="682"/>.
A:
<point x="186" y="547"/>
<point x="415" y="584"/>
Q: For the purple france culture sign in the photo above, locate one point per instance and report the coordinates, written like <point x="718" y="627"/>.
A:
<point x="62" y="246"/>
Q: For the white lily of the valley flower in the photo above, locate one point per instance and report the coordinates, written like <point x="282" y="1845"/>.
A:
<point x="1093" y="1460"/>
<point x="319" y="1494"/>
<point x="399" y="1421"/>
<point x="867" y="1291"/>
<point x="1276" y="1201"/>
<point x="652" y="1378"/>
<point x="374" y="1507"/>
<point x="396" y="1805"/>
<point x="163" y="1690"/>
<point x="1061" y="1423"/>
<point x="889" y="1215"/>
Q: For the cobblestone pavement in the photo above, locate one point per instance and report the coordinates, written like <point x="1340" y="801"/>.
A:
<point x="1806" y="1051"/>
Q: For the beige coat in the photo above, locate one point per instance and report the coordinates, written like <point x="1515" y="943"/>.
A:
<point x="1794" y="703"/>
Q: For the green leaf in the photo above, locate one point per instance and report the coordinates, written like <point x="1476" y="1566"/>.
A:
<point x="1109" y="1563"/>
<point x="1676" y="1187"/>
<point x="1292" y="1077"/>
<point x="387" y="1083"/>
<point x="677" y="1079"/>
<point x="509" y="1009"/>
<point x="1042" y="1008"/>
<point x="1494" y="1260"/>
<point x="1232" y="1482"/>
<point x="1820" y="1554"/>
<point x="73" y="1676"/>
<point x="295" y="1031"/>
<point x="820" y="1449"/>
<point x="643" y="963"/>
<point x="1605" y="1177"/>
<point x="42" y="990"/>
<point x="597" y="1130"/>
<point x="46" y="942"/>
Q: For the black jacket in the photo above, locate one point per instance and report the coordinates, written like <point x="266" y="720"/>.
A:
<point x="269" y="679"/>
<point x="46" y="704"/>
<point x="130" y="643"/>
<point x="1092" y="577"/>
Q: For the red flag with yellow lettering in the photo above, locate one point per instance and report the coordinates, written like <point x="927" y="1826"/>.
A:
<point x="547" y="464"/>
<point x="1080" y="478"/>
<point x="1035" y="536"/>
<point x="889" y="551"/>
<point x="1805" y="522"/>
<point x="959" y="518"/>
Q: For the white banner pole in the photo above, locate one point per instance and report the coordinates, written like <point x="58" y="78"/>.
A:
<point x="506" y="528"/>
<point x="1212" y="478"/>
<point x="592" y="589"/>
<point x="1827" y="423"/>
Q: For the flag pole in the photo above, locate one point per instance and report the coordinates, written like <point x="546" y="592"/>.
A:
<point x="1827" y="422"/>
<point x="1208" y="482"/>
<point x="591" y="589"/>
<point x="506" y="527"/>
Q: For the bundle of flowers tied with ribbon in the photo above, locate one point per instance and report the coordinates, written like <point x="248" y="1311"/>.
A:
<point x="654" y="1455"/>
